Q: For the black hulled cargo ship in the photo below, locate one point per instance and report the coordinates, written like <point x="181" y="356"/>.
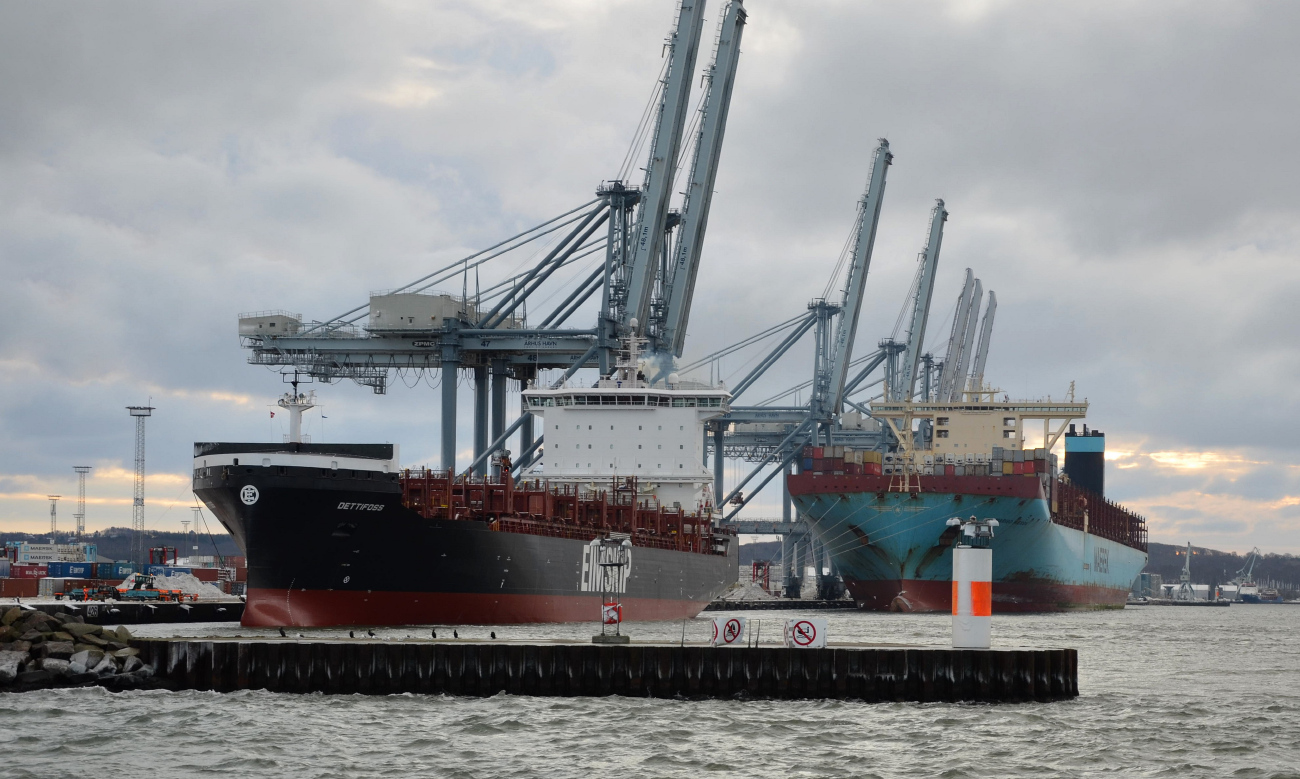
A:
<point x="338" y="534"/>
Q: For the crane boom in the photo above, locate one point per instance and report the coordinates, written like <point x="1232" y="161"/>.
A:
<point x="841" y="348"/>
<point x="648" y="237"/>
<point x="921" y="304"/>
<point x="956" y="337"/>
<point x="967" y="343"/>
<point x="982" y="352"/>
<point x="721" y="76"/>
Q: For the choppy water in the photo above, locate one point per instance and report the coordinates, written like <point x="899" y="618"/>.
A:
<point x="1170" y="692"/>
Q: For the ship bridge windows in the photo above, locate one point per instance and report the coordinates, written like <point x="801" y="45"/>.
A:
<point x="941" y="434"/>
<point x="1008" y="421"/>
<point x="625" y="400"/>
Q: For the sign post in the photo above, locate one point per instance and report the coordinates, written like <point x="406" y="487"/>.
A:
<point x="807" y="633"/>
<point x="613" y="556"/>
<point x="728" y="631"/>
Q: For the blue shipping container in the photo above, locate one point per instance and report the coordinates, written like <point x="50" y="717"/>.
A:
<point x="165" y="570"/>
<point x="79" y="570"/>
<point x="122" y="570"/>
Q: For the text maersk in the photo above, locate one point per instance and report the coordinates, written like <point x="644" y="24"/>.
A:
<point x="361" y="507"/>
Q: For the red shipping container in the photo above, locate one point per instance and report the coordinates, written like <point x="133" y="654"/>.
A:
<point x="817" y="453"/>
<point x="236" y="561"/>
<point x="204" y="574"/>
<point x="241" y="574"/>
<point x="27" y="571"/>
<point x="872" y="469"/>
<point x="1018" y="468"/>
<point x="20" y="588"/>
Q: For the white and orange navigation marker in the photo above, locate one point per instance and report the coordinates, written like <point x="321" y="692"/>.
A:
<point x="972" y="583"/>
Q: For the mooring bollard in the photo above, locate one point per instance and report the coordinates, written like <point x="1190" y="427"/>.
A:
<point x="972" y="583"/>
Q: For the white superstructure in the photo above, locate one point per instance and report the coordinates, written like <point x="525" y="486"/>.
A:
<point x="625" y="426"/>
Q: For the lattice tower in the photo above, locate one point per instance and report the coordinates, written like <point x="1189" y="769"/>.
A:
<point x="137" y="506"/>
<point x="80" y="516"/>
<point x="54" y="517"/>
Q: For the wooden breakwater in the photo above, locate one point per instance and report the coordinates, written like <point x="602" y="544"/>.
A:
<point x="873" y="674"/>
<point x="126" y="613"/>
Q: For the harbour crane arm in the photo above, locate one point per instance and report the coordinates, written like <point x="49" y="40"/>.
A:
<point x="685" y="266"/>
<point x="986" y="333"/>
<point x="967" y="343"/>
<point x="956" y="337"/>
<point x="921" y="303"/>
<point x="665" y="145"/>
<point x="831" y="391"/>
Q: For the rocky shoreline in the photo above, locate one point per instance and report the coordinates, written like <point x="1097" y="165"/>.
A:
<point x="39" y="651"/>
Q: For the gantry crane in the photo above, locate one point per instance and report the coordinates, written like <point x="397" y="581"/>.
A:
<point x="486" y="334"/>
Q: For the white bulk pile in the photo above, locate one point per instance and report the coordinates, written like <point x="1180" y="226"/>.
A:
<point x="747" y="591"/>
<point x="189" y="585"/>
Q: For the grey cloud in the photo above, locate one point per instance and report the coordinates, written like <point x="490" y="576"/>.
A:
<point x="1121" y="174"/>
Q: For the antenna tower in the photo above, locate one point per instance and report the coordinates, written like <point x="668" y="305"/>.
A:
<point x="137" y="507"/>
<point x="80" y="516"/>
<point x="54" y="517"/>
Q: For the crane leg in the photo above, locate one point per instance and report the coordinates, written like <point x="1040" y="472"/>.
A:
<point x="480" y="416"/>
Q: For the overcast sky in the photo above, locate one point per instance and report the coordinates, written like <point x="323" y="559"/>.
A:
<point x="1123" y="175"/>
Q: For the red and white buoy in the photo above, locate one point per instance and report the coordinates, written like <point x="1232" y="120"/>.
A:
<point x="972" y="584"/>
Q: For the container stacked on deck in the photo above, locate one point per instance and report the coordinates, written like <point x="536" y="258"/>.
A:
<point x="841" y="460"/>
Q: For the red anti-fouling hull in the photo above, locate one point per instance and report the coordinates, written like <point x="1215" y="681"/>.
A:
<point x="921" y="595"/>
<point x="316" y="608"/>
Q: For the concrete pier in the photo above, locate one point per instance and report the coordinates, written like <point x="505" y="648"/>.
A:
<point x="873" y="674"/>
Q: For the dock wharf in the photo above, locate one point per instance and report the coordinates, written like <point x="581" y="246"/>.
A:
<point x="781" y="604"/>
<point x="122" y="613"/>
<point x="1172" y="602"/>
<point x="384" y="667"/>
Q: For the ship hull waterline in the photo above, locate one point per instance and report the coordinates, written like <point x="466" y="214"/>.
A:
<point x="894" y="548"/>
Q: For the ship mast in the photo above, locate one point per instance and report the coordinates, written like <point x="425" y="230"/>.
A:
<point x="295" y="403"/>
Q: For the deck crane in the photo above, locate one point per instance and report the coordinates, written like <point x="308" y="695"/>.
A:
<point x="668" y="331"/>
<point x="1244" y="575"/>
<point x="982" y="351"/>
<point x="906" y="388"/>
<point x="833" y="364"/>
<point x="652" y="222"/>
<point x="948" y="376"/>
<point x="967" y="344"/>
<point x="1184" y="591"/>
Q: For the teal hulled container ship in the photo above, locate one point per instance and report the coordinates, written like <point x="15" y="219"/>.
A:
<point x="1059" y="544"/>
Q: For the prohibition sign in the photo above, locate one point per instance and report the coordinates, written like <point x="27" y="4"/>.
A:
<point x="731" y="631"/>
<point x="804" y="632"/>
